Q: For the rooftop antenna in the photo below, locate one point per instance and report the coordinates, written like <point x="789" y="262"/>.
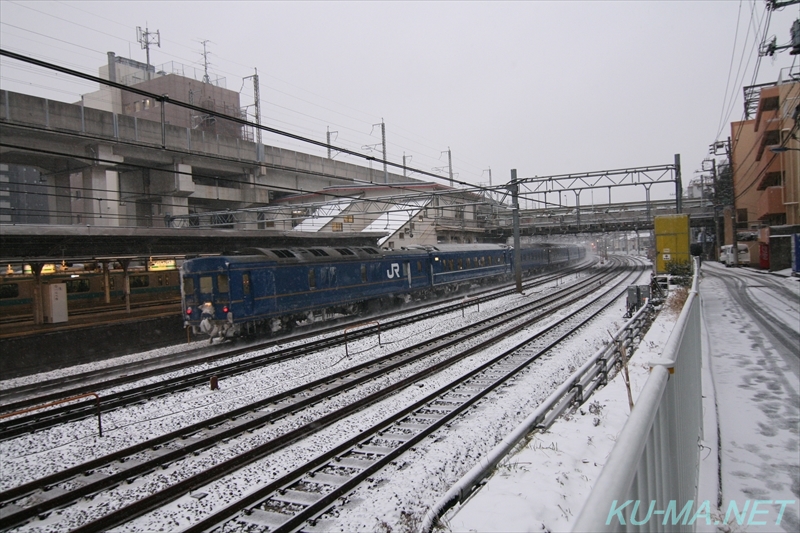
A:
<point x="206" y="79"/>
<point x="146" y="38"/>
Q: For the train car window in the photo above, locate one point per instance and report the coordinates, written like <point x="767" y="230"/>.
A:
<point x="312" y="281"/>
<point x="323" y="276"/>
<point x="140" y="281"/>
<point x="419" y="266"/>
<point x="9" y="290"/>
<point x="246" y="283"/>
<point x="284" y="254"/>
<point x="363" y="273"/>
<point x="110" y="284"/>
<point x="451" y="264"/>
<point x="188" y="285"/>
<point x="405" y="270"/>
<point x="345" y="251"/>
<point x="222" y="283"/>
<point x="332" y="276"/>
<point x="77" y="285"/>
<point x="206" y="285"/>
<point x="469" y="263"/>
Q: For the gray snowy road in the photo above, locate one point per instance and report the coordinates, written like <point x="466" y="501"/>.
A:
<point x="752" y="339"/>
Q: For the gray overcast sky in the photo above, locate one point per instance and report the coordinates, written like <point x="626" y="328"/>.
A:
<point x="544" y="87"/>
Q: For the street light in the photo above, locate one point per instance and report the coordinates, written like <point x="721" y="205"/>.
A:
<point x="781" y="149"/>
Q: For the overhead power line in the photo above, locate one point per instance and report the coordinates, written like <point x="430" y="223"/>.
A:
<point x="166" y="100"/>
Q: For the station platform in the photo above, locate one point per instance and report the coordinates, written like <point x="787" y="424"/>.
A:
<point x="27" y="348"/>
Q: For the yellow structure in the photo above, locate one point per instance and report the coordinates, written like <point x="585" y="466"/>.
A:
<point x="672" y="241"/>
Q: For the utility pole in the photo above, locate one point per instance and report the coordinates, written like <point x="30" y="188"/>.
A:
<point x="257" y="96"/>
<point x="329" y="140"/>
<point x="404" y="163"/>
<point x="146" y="38"/>
<point x="383" y="142"/>
<point x="513" y="188"/>
<point x="725" y="148"/>
<point x="717" y="235"/>
<point x="678" y="185"/>
<point x="450" y="165"/>
<point x="735" y="247"/>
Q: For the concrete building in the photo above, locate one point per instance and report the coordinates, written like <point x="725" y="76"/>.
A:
<point x="179" y="82"/>
<point x="100" y="168"/>
<point x="765" y="154"/>
<point x="413" y="213"/>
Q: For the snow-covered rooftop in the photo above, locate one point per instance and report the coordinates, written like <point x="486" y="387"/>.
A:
<point x="396" y="217"/>
<point x="322" y="216"/>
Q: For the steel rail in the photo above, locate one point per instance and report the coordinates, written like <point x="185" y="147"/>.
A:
<point x="243" y="424"/>
<point x="574" y="390"/>
<point x="286" y="489"/>
<point x="72" y="412"/>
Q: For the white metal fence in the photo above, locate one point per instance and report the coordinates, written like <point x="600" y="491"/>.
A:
<point x="649" y="482"/>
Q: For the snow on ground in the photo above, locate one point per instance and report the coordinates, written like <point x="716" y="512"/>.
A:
<point x="398" y="496"/>
<point x="544" y="485"/>
<point x="751" y="388"/>
<point x="31" y="456"/>
<point x="403" y="491"/>
<point x="757" y="383"/>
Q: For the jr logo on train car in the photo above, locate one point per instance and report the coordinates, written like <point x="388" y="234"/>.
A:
<point x="394" y="271"/>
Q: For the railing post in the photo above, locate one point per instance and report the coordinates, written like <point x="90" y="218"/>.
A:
<point x="99" y="417"/>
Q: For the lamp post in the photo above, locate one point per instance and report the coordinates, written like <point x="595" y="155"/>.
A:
<point x="781" y="149"/>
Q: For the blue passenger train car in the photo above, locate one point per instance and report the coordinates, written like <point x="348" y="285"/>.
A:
<point x="260" y="290"/>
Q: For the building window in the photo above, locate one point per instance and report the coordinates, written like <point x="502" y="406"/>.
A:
<point x="349" y="219"/>
<point x="741" y="218"/>
<point x="770" y="104"/>
<point x="401" y="235"/>
<point x="337" y="226"/>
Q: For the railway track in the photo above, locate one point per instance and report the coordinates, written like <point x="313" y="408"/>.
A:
<point x="41" y="497"/>
<point x="38" y="421"/>
<point x="73" y="313"/>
